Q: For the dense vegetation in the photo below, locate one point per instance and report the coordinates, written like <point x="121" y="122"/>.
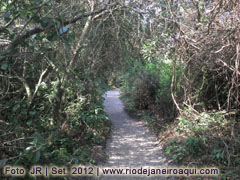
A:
<point x="55" y="57"/>
<point x="177" y="63"/>
<point x="186" y="87"/>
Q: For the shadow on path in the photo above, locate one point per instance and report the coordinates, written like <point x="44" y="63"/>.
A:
<point x="131" y="143"/>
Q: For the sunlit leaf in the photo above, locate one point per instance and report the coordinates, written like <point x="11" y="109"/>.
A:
<point x="28" y="148"/>
<point x="3" y="66"/>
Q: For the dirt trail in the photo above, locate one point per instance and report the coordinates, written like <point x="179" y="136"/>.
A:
<point x="131" y="143"/>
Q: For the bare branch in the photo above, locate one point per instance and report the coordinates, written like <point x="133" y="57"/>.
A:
<point x="38" y="30"/>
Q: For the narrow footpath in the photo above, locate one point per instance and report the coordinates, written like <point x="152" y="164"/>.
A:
<point x="131" y="143"/>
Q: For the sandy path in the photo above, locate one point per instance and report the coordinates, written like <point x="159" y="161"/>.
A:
<point x="131" y="143"/>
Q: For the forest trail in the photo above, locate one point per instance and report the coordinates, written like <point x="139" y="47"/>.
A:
<point x="131" y="143"/>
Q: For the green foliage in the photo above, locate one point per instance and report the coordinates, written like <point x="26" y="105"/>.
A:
<point x="195" y="146"/>
<point x="86" y="128"/>
<point x="148" y="83"/>
<point x="206" y="137"/>
<point x="151" y="122"/>
<point x="176" y="151"/>
<point x="218" y="154"/>
<point x="4" y="67"/>
<point x="180" y="149"/>
<point x="146" y="86"/>
<point x="198" y="124"/>
<point x="51" y="110"/>
<point x="233" y="174"/>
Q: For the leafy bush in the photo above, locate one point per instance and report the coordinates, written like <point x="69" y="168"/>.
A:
<point x="179" y="149"/>
<point x="210" y="136"/>
<point x="194" y="123"/>
<point x="147" y="86"/>
<point x="43" y="140"/>
<point x="195" y="146"/>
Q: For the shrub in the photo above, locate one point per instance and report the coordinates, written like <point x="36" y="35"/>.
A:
<point x="195" y="146"/>
<point x="146" y="87"/>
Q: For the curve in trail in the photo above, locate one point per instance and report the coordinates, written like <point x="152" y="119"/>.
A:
<point x="131" y="143"/>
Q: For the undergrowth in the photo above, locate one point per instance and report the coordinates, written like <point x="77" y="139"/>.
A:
<point x="206" y="139"/>
<point x="30" y="137"/>
<point x="199" y="138"/>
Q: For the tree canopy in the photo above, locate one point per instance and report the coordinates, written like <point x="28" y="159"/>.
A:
<point x="177" y="60"/>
